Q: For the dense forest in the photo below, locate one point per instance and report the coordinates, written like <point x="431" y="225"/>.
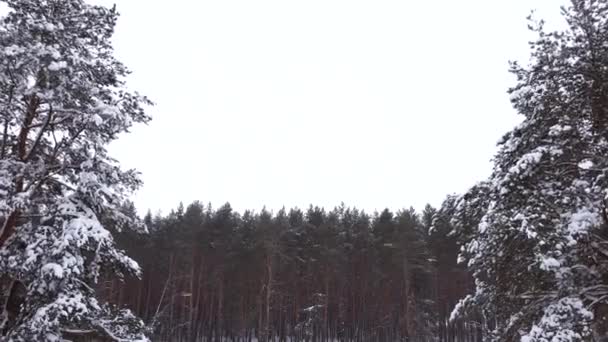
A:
<point x="296" y="275"/>
<point x="520" y="256"/>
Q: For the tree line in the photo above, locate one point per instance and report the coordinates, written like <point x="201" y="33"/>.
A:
<point x="299" y="275"/>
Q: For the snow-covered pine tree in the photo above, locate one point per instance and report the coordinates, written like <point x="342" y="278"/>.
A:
<point x="538" y="251"/>
<point x="62" y="101"/>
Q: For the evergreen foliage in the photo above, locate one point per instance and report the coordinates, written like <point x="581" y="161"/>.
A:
<point x="534" y="232"/>
<point x="62" y="101"/>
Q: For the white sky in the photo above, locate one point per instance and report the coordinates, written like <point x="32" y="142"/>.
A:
<point x="376" y="103"/>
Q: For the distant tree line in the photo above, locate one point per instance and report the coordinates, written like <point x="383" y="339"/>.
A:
<point x="305" y="275"/>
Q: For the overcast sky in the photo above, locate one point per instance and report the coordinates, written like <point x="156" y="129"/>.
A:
<point x="375" y="103"/>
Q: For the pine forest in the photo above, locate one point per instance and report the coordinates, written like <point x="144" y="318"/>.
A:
<point x="521" y="256"/>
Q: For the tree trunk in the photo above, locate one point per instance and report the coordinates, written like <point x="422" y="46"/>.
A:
<point x="268" y="296"/>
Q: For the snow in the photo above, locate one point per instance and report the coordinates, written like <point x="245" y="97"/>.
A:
<point x="583" y="220"/>
<point x="586" y="164"/>
<point x="56" y="66"/>
<point x="527" y="160"/>
<point x="549" y="263"/>
<point x="558" y="129"/>
<point x="560" y="322"/>
<point x="53" y="269"/>
<point x="97" y="119"/>
<point x="12" y="50"/>
<point x="49" y="27"/>
<point x="460" y="307"/>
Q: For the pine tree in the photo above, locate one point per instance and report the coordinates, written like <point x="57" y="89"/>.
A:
<point x="62" y="101"/>
<point x="536" y="250"/>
